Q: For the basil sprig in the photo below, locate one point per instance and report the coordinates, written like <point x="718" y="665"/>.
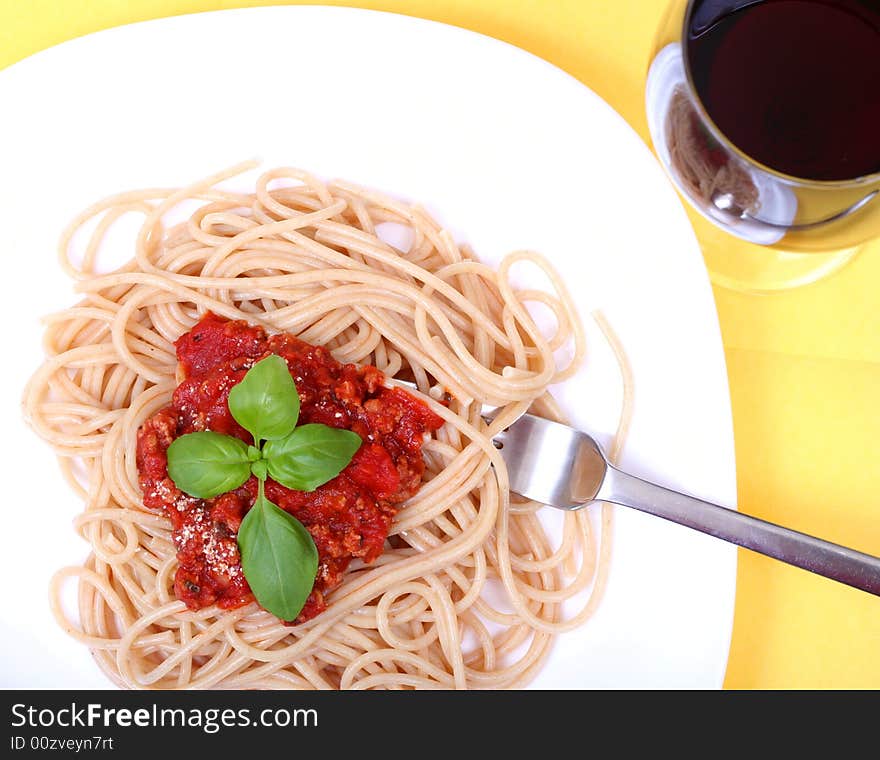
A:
<point x="278" y="555"/>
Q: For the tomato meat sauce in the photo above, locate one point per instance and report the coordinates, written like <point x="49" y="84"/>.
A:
<point x="347" y="517"/>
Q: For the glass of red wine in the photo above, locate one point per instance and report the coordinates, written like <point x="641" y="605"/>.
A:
<point x="766" y="115"/>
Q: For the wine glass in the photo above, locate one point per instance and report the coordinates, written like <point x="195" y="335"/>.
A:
<point x="766" y="116"/>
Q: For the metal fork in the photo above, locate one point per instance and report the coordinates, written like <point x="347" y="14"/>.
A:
<point x="557" y="465"/>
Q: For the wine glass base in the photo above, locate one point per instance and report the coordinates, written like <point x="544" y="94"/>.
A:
<point x="748" y="268"/>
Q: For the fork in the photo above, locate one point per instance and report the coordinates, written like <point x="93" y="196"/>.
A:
<point x="566" y="468"/>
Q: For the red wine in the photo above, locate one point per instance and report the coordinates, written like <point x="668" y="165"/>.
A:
<point x="794" y="84"/>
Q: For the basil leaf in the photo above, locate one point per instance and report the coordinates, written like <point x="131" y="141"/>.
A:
<point x="278" y="557"/>
<point x="310" y="456"/>
<point x="260" y="468"/>
<point x="206" y="464"/>
<point x="265" y="402"/>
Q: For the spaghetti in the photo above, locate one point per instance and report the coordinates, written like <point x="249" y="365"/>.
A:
<point x="302" y="256"/>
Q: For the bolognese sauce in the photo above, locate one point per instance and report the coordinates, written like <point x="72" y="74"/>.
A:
<point x="347" y="517"/>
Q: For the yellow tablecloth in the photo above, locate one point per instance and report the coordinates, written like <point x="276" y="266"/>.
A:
<point x="804" y="365"/>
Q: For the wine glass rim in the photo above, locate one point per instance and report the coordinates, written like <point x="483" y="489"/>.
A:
<point x="719" y="135"/>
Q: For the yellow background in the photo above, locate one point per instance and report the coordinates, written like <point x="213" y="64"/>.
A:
<point x="804" y="365"/>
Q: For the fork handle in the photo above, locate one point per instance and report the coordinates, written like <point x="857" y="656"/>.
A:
<point x="848" y="566"/>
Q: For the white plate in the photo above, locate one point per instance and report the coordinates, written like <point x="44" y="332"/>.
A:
<point x="507" y="150"/>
